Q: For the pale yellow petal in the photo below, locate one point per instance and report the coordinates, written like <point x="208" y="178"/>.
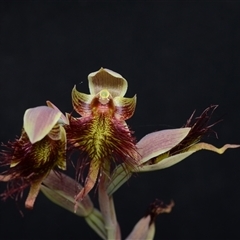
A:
<point x="107" y="79"/>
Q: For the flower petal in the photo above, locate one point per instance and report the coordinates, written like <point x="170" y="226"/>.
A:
<point x="62" y="149"/>
<point x="166" y="162"/>
<point x="140" y="231"/>
<point x="39" y="121"/>
<point x="160" y="142"/>
<point x="170" y="161"/>
<point x="90" y="181"/>
<point x="107" y="79"/>
<point x="81" y="102"/>
<point x="61" y="189"/>
<point x="125" y="107"/>
<point x="33" y="193"/>
<point x="63" y="119"/>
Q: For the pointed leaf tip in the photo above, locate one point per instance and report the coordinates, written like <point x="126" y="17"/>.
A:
<point x="39" y="121"/>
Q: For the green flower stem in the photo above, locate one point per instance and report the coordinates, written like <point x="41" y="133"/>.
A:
<point x="107" y="208"/>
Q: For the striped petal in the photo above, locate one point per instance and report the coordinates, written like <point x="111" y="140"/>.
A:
<point x="125" y="107"/>
<point x="81" y="102"/>
<point x="107" y="79"/>
<point x="160" y="142"/>
<point x="39" y="121"/>
<point x="61" y="189"/>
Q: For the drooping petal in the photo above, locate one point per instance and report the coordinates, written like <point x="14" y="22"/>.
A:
<point x="174" y="159"/>
<point x="107" y="79"/>
<point x="39" y="121"/>
<point x="125" y="107"/>
<point x="160" y="142"/>
<point x="33" y="193"/>
<point x="61" y="189"/>
<point x="81" y="102"/>
<point x="90" y="180"/>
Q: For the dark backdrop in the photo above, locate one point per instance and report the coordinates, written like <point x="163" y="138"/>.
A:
<point x="177" y="57"/>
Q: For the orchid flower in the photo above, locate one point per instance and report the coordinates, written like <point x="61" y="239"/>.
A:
<point x="101" y="134"/>
<point x="104" y="140"/>
<point x="41" y="148"/>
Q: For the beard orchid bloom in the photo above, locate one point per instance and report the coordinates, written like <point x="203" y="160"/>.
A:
<point x="101" y="134"/>
<point x="41" y="148"/>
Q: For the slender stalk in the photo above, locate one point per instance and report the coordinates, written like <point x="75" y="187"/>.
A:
<point x="107" y="208"/>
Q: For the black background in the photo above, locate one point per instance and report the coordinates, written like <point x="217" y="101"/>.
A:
<point x="177" y="57"/>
